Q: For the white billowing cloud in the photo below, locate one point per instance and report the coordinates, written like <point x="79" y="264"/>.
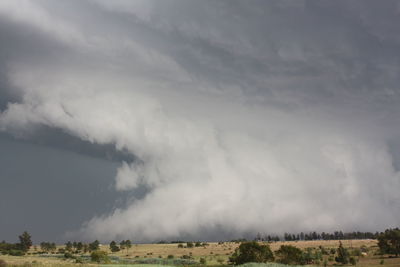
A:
<point x="221" y="145"/>
<point x="128" y="176"/>
<point x="25" y="11"/>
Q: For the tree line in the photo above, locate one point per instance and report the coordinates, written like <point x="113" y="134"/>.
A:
<point x="388" y="243"/>
<point x="336" y="235"/>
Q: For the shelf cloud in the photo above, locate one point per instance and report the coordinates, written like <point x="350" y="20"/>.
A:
<point x="238" y="117"/>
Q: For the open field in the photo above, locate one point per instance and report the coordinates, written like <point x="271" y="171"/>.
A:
<point x="214" y="253"/>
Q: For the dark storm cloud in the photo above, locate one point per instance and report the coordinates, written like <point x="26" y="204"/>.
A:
<point x="274" y="100"/>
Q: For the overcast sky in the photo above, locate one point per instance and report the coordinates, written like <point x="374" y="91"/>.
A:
<point x="176" y="119"/>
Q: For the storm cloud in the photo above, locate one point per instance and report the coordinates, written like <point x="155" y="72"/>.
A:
<point x="237" y="117"/>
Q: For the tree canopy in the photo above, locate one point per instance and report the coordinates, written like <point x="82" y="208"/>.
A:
<point x="389" y="241"/>
<point x="25" y="241"/>
<point x="290" y="255"/>
<point x="251" y="252"/>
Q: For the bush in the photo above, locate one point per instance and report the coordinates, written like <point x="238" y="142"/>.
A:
<point x="68" y="255"/>
<point x="203" y="261"/>
<point x="15" y="252"/>
<point x="99" y="257"/>
<point x="290" y="255"/>
<point x="170" y="256"/>
<point x="251" y="252"/>
<point x="356" y="252"/>
<point x="220" y="260"/>
<point x="180" y="245"/>
<point x="189" y="244"/>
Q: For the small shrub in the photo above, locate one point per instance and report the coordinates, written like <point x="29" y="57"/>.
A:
<point x="15" y="252"/>
<point x="220" y="260"/>
<point x="170" y="256"/>
<point x="382" y="262"/>
<point x="180" y="245"/>
<point x="352" y="261"/>
<point x="203" y="261"/>
<point x="68" y="255"/>
<point x="189" y="244"/>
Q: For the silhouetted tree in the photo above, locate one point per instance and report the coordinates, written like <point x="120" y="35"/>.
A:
<point x="25" y="241"/>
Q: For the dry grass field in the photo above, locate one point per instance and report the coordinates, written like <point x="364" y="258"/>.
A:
<point x="216" y="254"/>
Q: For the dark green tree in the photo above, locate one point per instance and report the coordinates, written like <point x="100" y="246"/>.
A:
<point x="68" y="246"/>
<point x="122" y="244"/>
<point x="125" y="244"/>
<point x="290" y="255"/>
<point x="389" y="242"/>
<point x="79" y="246"/>
<point x="85" y="248"/>
<point x="25" y="241"/>
<point x="343" y="255"/>
<point x="251" y="252"/>
<point x="128" y="244"/>
<point x="95" y="245"/>
<point x="114" y="247"/>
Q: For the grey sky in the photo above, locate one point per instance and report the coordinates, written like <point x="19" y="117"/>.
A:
<point x="176" y="118"/>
